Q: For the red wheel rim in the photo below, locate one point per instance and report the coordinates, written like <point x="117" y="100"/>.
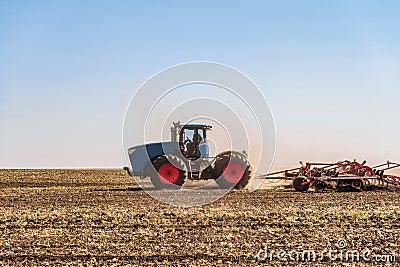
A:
<point x="168" y="173"/>
<point x="233" y="172"/>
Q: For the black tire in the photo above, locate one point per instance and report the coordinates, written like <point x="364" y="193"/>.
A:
<point x="357" y="185"/>
<point x="297" y="184"/>
<point x="169" y="172"/>
<point x="320" y="185"/>
<point x="232" y="170"/>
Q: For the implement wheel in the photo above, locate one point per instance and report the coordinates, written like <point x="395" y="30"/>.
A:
<point x="298" y="186"/>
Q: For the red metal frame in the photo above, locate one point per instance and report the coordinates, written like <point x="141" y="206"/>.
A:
<point x="342" y="170"/>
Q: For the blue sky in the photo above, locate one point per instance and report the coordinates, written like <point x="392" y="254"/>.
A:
<point x="329" y="69"/>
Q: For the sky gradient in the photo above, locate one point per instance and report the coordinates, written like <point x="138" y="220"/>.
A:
<point x="330" y="71"/>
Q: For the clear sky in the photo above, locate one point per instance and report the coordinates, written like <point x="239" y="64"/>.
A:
<point x="330" y="71"/>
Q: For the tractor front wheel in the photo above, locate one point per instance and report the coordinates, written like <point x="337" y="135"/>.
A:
<point x="232" y="170"/>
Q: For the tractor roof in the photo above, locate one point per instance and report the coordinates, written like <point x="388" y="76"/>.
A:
<point x="195" y="126"/>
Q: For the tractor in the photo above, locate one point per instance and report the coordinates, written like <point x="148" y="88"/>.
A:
<point x="186" y="157"/>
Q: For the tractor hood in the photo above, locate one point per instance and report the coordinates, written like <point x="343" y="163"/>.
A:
<point x="141" y="155"/>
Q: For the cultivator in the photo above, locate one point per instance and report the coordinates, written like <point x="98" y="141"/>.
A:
<point x="342" y="176"/>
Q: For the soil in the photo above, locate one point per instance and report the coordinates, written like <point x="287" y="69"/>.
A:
<point x="100" y="217"/>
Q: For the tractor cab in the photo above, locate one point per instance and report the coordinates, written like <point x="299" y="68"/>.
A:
<point x="192" y="139"/>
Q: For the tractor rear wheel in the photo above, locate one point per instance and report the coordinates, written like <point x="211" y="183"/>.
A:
<point x="232" y="170"/>
<point x="169" y="172"/>
<point x="298" y="186"/>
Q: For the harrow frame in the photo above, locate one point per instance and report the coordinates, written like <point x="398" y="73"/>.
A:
<point x="348" y="176"/>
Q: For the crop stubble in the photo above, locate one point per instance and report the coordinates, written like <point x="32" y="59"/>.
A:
<point x="96" y="217"/>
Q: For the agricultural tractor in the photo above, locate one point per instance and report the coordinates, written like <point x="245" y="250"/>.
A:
<point x="186" y="156"/>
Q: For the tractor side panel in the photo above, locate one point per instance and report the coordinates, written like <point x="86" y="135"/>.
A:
<point x="140" y="156"/>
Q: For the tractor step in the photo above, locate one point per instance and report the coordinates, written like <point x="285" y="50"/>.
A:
<point x="195" y="176"/>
